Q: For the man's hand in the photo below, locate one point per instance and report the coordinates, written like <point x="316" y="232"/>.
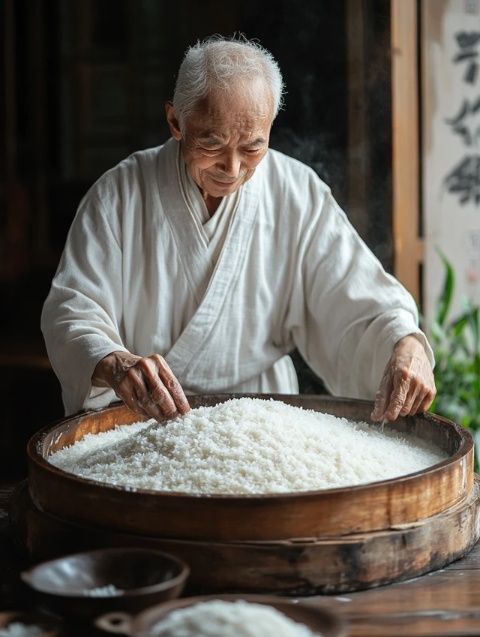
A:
<point x="145" y="384"/>
<point x="407" y="386"/>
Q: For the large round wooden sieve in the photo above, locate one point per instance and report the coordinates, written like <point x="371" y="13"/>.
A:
<point x="315" y="514"/>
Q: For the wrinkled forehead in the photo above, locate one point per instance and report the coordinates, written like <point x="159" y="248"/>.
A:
<point x="250" y="100"/>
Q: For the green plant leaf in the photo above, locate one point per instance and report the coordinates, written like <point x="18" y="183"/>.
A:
<point x="473" y="321"/>
<point x="446" y="295"/>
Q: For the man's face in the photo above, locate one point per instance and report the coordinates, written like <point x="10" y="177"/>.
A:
<point x="225" y="138"/>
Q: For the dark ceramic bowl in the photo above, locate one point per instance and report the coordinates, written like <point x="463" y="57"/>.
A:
<point x="126" y="579"/>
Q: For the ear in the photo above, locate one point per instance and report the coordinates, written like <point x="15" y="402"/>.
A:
<point x="172" y="121"/>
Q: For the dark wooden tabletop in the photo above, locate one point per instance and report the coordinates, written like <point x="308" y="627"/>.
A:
<point x="445" y="603"/>
<point x="439" y="604"/>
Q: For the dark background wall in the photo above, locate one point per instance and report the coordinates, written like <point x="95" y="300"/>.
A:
<point x="85" y="82"/>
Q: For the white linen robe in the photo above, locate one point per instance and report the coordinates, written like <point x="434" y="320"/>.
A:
<point x="135" y="275"/>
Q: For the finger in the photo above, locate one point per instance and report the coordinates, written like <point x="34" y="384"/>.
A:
<point x="161" y="397"/>
<point x="145" y="401"/>
<point x="410" y="400"/>
<point x="132" y="391"/>
<point x="154" y="410"/>
<point x="380" y="405"/>
<point x="172" y="384"/>
<point x="427" y="401"/>
<point x="157" y="392"/>
<point x="418" y="402"/>
<point x="401" y="385"/>
<point x="150" y="395"/>
<point x="130" y="399"/>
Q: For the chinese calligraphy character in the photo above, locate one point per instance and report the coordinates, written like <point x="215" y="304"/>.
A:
<point x="468" y="43"/>
<point x="467" y="122"/>
<point x="464" y="180"/>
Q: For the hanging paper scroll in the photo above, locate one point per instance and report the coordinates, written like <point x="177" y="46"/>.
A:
<point x="451" y="146"/>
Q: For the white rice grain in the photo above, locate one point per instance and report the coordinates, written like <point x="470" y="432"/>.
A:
<point x="17" y="629"/>
<point x="229" y="619"/>
<point x="246" y="446"/>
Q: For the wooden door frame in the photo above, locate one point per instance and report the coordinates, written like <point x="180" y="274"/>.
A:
<point x="406" y="183"/>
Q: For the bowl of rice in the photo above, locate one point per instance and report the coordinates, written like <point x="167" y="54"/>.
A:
<point x="228" y="616"/>
<point x="85" y="584"/>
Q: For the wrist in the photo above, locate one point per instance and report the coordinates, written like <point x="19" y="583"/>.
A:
<point x="112" y="367"/>
<point x="412" y="342"/>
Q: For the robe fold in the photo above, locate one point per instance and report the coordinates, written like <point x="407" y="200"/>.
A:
<point x="141" y="272"/>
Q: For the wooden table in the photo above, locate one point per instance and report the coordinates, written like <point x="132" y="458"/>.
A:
<point x="445" y="603"/>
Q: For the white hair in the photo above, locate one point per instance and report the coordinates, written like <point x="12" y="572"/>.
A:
<point x="214" y="63"/>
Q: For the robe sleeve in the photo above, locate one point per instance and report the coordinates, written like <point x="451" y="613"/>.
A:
<point x="347" y="312"/>
<point x="82" y="314"/>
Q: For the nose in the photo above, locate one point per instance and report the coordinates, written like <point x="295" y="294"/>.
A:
<point x="231" y="164"/>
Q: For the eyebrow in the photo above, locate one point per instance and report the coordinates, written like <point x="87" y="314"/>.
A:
<point x="256" y="142"/>
<point x="212" y="140"/>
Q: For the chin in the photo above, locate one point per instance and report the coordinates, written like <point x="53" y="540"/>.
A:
<point x="221" y="191"/>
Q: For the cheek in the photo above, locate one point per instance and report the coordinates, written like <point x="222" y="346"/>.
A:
<point x="252" y="162"/>
<point x="202" y="163"/>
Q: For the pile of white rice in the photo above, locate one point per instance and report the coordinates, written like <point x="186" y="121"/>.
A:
<point x="246" y="445"/>
<point x="17" y="629"/>
<point x="110" y="590"/>
<point x="229" y="619"/>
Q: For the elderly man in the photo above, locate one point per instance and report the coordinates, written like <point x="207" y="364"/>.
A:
<point x="199" y="265"/>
